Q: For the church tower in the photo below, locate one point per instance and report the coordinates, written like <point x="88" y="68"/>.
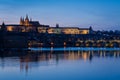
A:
<point x="3" y="27"/>
<point x="21" y="21"/>
<point x="26" y="21"/>
<point x="90" y="30"/>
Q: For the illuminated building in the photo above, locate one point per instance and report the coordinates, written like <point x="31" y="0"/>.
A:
<point x="68" y="30"/>
<point x="27" y="25"/>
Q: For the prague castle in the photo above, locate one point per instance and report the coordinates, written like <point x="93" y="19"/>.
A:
<point x="28" y="25"/>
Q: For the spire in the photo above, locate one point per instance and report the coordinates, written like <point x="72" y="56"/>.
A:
<point x="26" y="17"/>
<point x="26" y="22"/>
<point x="90" y="28"/>
<point x="3" y="24"/>
<point x="21" y="21"/>
<point x="3" y="27"/>
<point x="57" y="25"/>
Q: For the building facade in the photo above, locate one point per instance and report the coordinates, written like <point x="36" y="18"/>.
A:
<point x="27" y="25"/>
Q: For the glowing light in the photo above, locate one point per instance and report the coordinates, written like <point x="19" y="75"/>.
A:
<point x="10" y="28"/>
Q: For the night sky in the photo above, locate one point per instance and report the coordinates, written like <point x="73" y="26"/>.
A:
<point x="101" y="14"/>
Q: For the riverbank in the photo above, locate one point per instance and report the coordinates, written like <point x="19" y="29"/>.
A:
<point x="31" y="39"/>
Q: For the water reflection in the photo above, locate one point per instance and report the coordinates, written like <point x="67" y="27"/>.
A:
<point x="31" y="59"/>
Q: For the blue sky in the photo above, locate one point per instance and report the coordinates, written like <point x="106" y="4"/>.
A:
<point x="101" y="14"/>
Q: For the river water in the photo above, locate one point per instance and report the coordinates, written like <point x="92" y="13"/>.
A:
<point x="61" y="64"/>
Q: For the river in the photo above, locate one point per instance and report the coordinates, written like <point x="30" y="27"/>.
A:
<point x="61" y="64"/>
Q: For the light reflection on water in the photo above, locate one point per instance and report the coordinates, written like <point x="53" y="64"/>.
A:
<point x="60" y="65"/>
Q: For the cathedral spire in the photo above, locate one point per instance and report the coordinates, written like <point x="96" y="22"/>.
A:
<point x="21" y="21"/>
<point x="26" y="22"/>
<point x="27" y="17"/>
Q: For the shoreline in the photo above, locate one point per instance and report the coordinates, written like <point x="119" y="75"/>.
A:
<point x="74" y="49"/>
<point x="61" y="49"/>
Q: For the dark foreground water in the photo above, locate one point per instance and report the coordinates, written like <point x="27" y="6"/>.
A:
<point x="60" y="65"/>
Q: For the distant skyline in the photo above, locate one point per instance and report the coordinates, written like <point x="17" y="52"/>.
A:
<point x="100" y="14"/>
